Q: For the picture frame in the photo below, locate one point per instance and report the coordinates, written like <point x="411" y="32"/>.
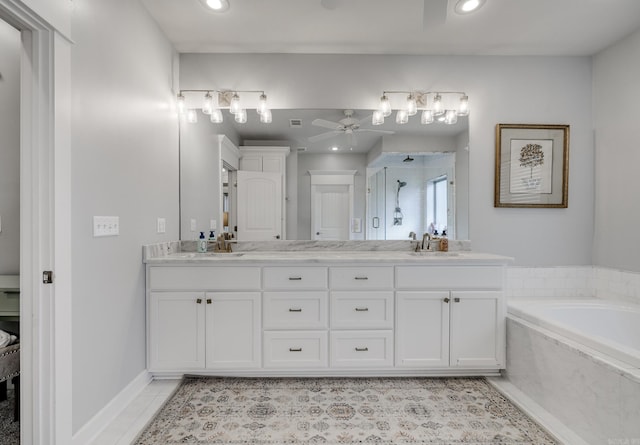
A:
<point x="532" y="166"/>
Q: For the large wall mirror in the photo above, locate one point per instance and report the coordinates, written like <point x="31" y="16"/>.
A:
<point x="406" y="178"/>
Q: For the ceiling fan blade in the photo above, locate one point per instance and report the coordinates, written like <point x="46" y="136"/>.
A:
<point x="322" y="136"/>
<point x="371" y="130"/>
<point x="327" y="124"/>
<point x="434" y="13"/>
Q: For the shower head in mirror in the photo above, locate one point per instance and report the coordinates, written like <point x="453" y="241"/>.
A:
<point x="408" y="159"/>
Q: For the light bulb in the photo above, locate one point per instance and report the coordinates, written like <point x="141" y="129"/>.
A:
<point x="464" y="106"/>
<point x="241" y="116"/>
<point x="450" y="117"/>
<point x="427" y="117"/>
<point x="385" y="106"/>
<point x="467" y="6"/>
<point x="216" y="5"/>
<point x="192" y="116"/>
<point x="412" y="106"/>
<point x="262" y="104"/>
<point x="216" y="116"/>
<point x="402" y="117"/>
<point x="182" y="105"/>
<point x="377" y="118"/>
<point x="234" y="105"/>
<point x="207" y="105"/>
<point x="438" y="108"/>
<point x="266" y="116"/>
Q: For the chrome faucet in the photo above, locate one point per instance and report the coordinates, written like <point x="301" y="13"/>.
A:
<point x="412" y="235"/>
<point x="426" y="236"/>
<point x="222" y="245"/>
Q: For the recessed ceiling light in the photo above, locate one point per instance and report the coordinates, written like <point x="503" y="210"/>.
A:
<point x="216" y="5"/>
<point x="467" y="6"/>
<point x="334" y="148"/>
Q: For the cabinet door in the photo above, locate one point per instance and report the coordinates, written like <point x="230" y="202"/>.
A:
<point x="422" y="329"/>
<point x="233" y="330"/>
<point x="176" y="331"/>
<point x="477" y="329"/>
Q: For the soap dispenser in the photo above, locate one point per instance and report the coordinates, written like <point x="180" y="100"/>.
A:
<point x="202" y="243"/>
<point x="212" y="235"/>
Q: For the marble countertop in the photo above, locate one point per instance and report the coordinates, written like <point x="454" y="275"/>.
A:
<point x="340" y="256"/>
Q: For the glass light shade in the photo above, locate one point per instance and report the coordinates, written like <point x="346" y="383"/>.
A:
<point x="234" y="105"/>
<point x="402" y="117"/>
<point x="266" y="116"/>
<point x="385" y="106"/>
<point x="207" y="105"/>
<point x="467" y="6"/>
<point x="192" y="116"/>
<point x="216" y="116"/>
<point x="412" y="106"/>
<point x="427" y="117"/>
<point x="450" y="117"/>
<point x="438" y="107"/>
<point x="262" y="104"/>
<point x="464" y="106"/>
<point x="182" y="104"/>
<point x="377" y="118"/>
<point x="241" y="116"/>
<point x="218" y="5"/>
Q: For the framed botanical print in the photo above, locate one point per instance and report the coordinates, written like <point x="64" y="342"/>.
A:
<point x="532" y="166"/>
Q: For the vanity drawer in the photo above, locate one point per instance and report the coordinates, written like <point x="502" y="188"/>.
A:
<point x="295" y="277"/>
<point x="366" y="277"/>
<point x="361" y="348"/>
<point x="295" y="310"/>
<point x="449" y="277"/>
<point x="362" y="310"/>
<point x="300" y="349"/>
<point x="204" y="278"/>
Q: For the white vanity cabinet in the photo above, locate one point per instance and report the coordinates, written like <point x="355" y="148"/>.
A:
<point x="191" y="327"/>
<point x="457" y="324"/>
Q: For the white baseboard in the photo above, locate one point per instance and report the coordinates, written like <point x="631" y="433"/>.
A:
<point x="105" y="416"/>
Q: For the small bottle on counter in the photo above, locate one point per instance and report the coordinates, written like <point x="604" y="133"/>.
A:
<point x="202" y="243"/>
<point x="444" y="245"/>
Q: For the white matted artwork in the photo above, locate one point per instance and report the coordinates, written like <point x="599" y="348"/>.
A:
<point x="531" y="161"/>
<point x="532" y="165"/>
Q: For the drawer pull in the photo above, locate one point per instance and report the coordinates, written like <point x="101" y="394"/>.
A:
<point x="295" y="349"/>
<point x="362" y="309"/>
<point x="297" y="309"/>
<point x="295" y="278"/>
<point x="446" y="300"/>
<point x="199" y="301"/>
<point x="365" y="349"/>
<point x="361" y="278"/>
<point x="457" y="300"/>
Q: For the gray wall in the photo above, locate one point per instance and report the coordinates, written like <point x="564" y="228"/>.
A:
<point x="616" y="97"/>
<point x="9" y="149"/>
<point x="535" y="90"/>
<point x="124" y="163"/>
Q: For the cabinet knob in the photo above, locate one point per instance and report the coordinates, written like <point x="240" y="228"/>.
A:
<point x="199" y="301"/>
<point x="446" y="300"/>
<point x="457" y="300"/>
<point x="208" y="300"/>
<point x="277" y="237"/>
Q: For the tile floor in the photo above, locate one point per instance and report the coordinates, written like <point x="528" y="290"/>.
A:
<point x="126" y="427"/>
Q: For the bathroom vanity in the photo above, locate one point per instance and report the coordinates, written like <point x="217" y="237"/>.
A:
<point x="325" y="313"/>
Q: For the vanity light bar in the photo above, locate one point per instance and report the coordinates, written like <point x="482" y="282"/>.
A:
<point x="436" y="106"/>
<point x="215" y="100"/>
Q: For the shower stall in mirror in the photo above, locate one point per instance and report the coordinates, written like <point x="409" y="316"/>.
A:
<point x="411" y="195"/>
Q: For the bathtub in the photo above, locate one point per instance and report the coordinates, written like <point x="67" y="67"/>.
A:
<point x="579" y="360"/>
<point x="608" y="327"/>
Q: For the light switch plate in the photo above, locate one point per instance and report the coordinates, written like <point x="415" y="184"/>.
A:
<point x="356" y="224"/>
<point x="106" y="226"/>
<point x="162" y="225"/>
<point x="193" y="225"/>
<point x="213" y="224"/>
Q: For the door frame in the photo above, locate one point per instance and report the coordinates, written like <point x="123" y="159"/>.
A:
<point x="332" y="177"/>
<point x="45" y="228"/>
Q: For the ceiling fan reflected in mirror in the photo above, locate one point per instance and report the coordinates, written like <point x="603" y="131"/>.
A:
<point x="347" y="126"/>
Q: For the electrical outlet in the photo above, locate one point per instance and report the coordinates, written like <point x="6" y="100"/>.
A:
<point x="213" y="224"/>
<point x="162" y="225"/>
<point x="106" y="226"/>
<point x="193" y="225"/>
<point x="356" y="224"/>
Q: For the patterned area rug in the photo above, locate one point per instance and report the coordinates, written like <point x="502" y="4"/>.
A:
<point x="232" y="411"/>
<point x="9" y="430"/>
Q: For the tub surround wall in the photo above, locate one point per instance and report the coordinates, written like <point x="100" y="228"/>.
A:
<point x="596" y="397"/>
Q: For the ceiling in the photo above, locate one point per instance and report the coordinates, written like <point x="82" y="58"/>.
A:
<point x="500" y="27"/>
